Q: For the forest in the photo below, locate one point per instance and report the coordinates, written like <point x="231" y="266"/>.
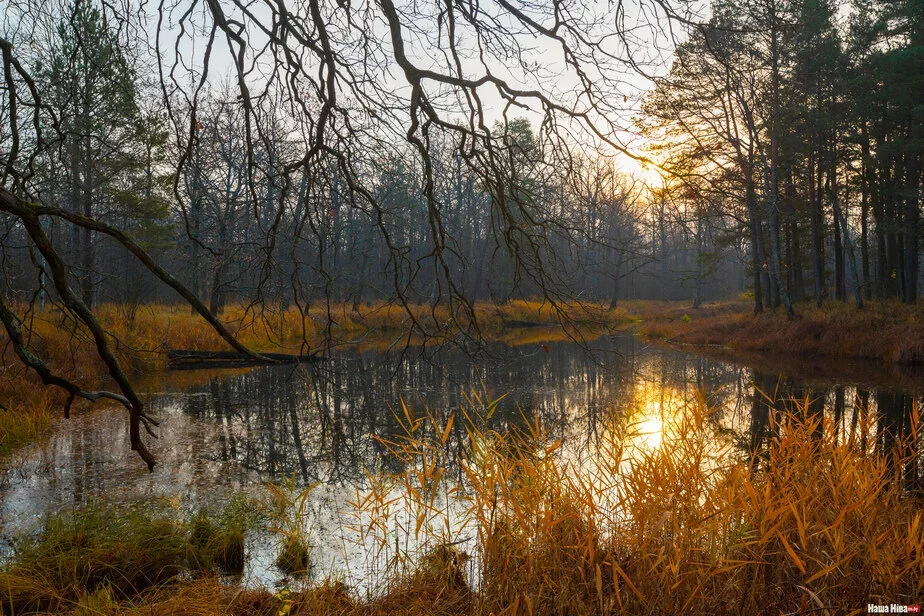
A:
<point x="592" y="307"/>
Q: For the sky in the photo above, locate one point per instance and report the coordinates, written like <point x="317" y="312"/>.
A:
<point x="635" y="42"/>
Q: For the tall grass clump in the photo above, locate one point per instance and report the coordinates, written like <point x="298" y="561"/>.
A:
<point x="284" y="508"/>
<point x="691" y="525"/>
<point x="217" y="537"/>
<point x="106" y="555"/>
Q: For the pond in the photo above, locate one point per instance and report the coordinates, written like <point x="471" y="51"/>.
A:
<point x="226" y="432"/>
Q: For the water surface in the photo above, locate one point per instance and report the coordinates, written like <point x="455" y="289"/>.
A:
<point x="225" y="432"/>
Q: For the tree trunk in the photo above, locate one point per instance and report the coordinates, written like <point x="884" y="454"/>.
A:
<point x="840" y="283"/>
<point x="195" y="215"/>
<point x="87" y="256"/>
<point x="698" y="292"/>
<point x="865" y="184"/>
<point x="773" y="194"/>
<point x="757" y="256"/>
<point x="818" y="237"/>
<point x="878" y="199"/>
<point x="796" y="263"/>
<point x="840" y="222"/>
<point x="912" y="216"/>
<point x="614" y="298"/>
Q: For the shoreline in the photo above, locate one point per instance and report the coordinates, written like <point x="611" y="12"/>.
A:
<point x="887" y="332"/>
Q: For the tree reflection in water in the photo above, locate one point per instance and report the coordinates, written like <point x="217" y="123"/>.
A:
<point x="877" y="423"/>
<point x="326" y="422"/>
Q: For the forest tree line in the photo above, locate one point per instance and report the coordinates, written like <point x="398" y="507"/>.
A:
<point x="803" y="121"/>
<point x="237" y="224"/>
<point x="788" y="134"/>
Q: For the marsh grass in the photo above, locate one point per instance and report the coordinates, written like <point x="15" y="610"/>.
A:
<point x="283" y="510"/>
<point x="96" y="558"/>
<point x="142" y="339"/>
<point x="888" y="331"/>
<point x="485" y="519"/>
<point x="123" y="550"/>
<point x="217" y="537"/>
<point x="21" y="424"/>
<point x="812" y="521"/>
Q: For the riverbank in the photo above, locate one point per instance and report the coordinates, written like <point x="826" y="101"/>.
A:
<point x="815" y="523"/>
<point x="889" y="332"/>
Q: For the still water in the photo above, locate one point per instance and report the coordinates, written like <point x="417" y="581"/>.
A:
<point x="224" y="432"/>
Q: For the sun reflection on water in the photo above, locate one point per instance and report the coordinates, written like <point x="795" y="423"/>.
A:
<point x="649" y="431"/>
<point x="656" y="409"/>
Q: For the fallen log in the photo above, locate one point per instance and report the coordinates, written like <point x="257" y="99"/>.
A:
<point x="192" y="360"/>
<point x="516" y="323"/>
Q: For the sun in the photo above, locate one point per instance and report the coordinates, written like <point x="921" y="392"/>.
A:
<point x="646" y="173"/>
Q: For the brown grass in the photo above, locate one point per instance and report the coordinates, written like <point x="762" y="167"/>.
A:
<point x="886" y="331"/>
<point x="141" y="337"/>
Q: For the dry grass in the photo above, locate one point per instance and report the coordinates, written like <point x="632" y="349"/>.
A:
<point x="685" y="527"/>
<point x="23" y="422"/>
<point x="690" y="526"/>
<point x="886" y="331"/>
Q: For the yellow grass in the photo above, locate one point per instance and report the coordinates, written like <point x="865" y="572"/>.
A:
<point x="142" y="336"/>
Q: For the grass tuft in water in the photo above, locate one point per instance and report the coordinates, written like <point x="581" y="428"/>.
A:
<point x="294" y="556"/>
<point x="284" y="508"/>
<point x="217" y="538"/>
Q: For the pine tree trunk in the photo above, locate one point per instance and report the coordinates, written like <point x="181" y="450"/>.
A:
<point x="840" y="283"/>
<point x="865" y="185"/>
<point x="912" y="216"/>
<point x="757" y="256"/>
<point x="818" y="238"/>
